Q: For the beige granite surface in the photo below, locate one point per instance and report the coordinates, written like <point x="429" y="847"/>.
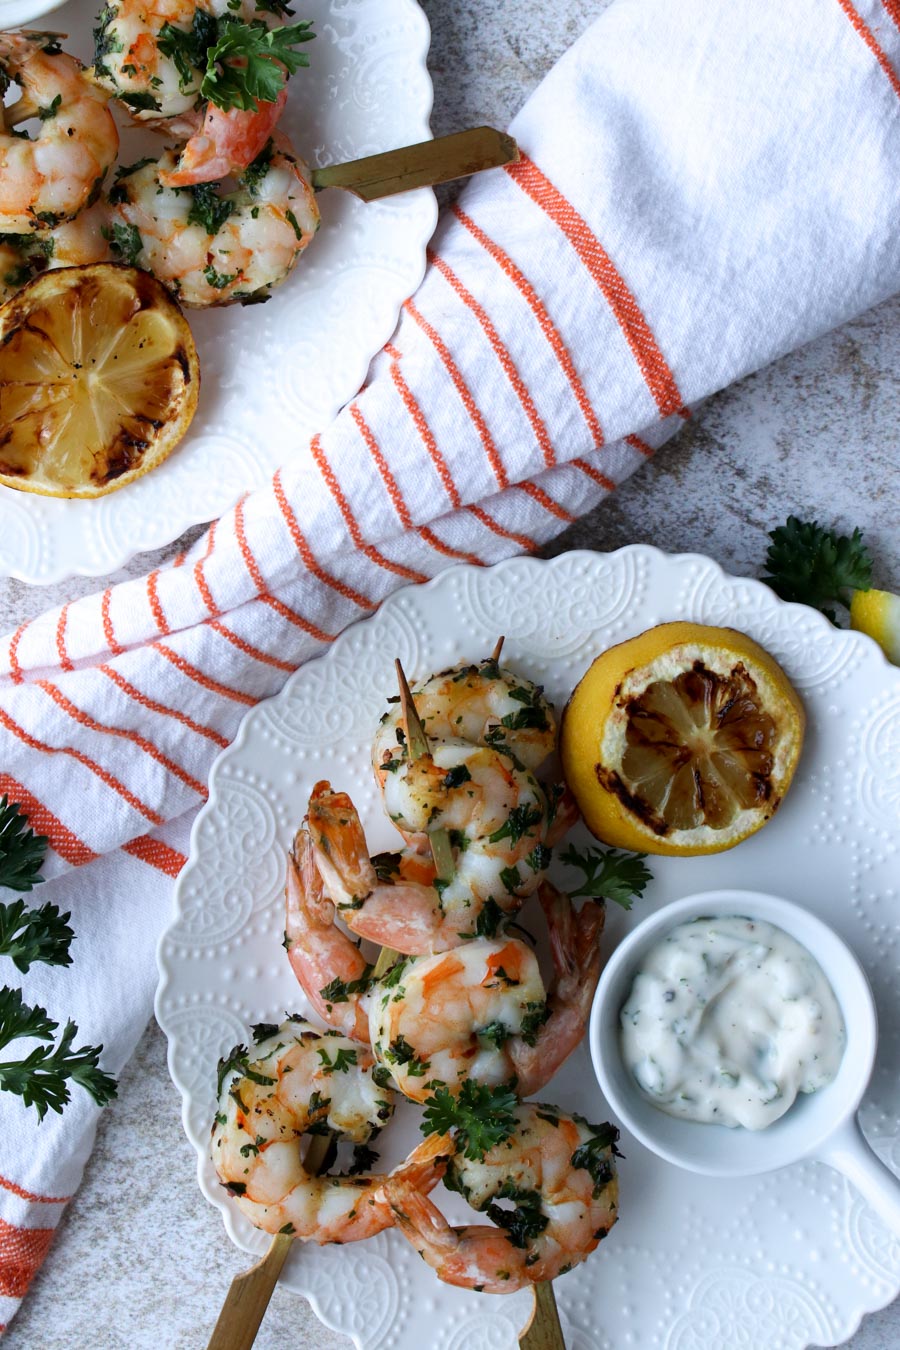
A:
<point x="141" y="1260"/>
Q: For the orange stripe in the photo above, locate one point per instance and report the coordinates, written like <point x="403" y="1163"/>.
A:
<point x="381" y="464"/>
<point x="14" y="668"/>
<point x="61" y="638"/>
<point x="22" y="1253"/>
<point x="248" y="649"/>
<point x="869" y="39"/>
<point x="30" y="1195"/>
<point x="108" y="631"/>
<point x="539" y="495"/>
<point x="62" y="840"/>
<point x="530" y="545"/>
<point x="306" y="552"/>
<point x="464" y="392"/>
<point x="368" y="550"/>
<point x="893" y="9"/>
<point x="179" y="560"/>
<point x="156" y="854"/>
<point x="438" y="544"/>
<point x="155" y="606"/>
<point x="124" y="734"/>
<point x="200" y="575"/>
<point x="547" y="326"/>
<point x="640" y="445"/>
<point x="595" y="474"/>
<point x="500" y="351"/>
<point x="259" y="582"/>
<point x="636" y="331"/>
<point x="198" y="676"/>
<point x="413" y="407"/>
<point x="102" y="774"/>
<point x="152" y="705"/>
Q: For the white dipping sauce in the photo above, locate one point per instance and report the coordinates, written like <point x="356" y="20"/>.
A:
<point x="727" y="1020"/>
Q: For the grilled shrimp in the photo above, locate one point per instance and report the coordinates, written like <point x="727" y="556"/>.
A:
<point x="300" y="1081"/>
<point x="48" y="180"/>
<point x="151" y="71"/>
<point x="498" y="820"/>
<point x="25" y="256"/>
<point x="481" y="704"/>
<point x="214" y="248"/>
<point x="480" y="1011"/>
<point x="560" y="1174"/>
<point x="226" y="141"/>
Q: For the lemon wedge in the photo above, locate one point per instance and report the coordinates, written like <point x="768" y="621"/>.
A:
<point x="99" y="380"/>
<point x="877" y="613"/>
<point x="682" y="740"/>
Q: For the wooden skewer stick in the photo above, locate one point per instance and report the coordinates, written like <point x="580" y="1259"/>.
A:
<point x="248" y="1297"/>
<point x="418" y="745"/>
<point x="498" y="648"/>
<point x="543" y="1331"/>
<point x="422" y="165"/>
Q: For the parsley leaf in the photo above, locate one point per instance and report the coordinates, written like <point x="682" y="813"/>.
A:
<point x="526" y="1221"/>
<point x="818" y="567"/>
<point x="126" y="242"/>
<point x="518" y="822"/>
<point x="187" y="48"/>
<point x="21" y="850"/>
<point x="29" y="935"/>
<point x="610" y="875"/>
<point x="267" y="56"/>
<point x="341" y="991"/>
<point x="208" y="210"/>
<point x="218" y="280"/>
<point x="341" y="1062"/>
<point x="42" y="1078"/>
<point x="481" y="1116"/>
<point x="594" y="1155"/>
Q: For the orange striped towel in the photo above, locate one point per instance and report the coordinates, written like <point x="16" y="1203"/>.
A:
<point x="704" y="186"/>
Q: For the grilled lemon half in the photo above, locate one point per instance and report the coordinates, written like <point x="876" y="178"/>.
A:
<point x="682" y="740"/>
<point x="99" y="380"/>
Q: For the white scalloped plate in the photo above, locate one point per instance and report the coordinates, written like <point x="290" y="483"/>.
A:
<point x="780" y="1262"/>
<point x="273" y="374"/>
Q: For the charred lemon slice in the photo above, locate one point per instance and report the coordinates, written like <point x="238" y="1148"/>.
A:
<point x="682" y="740"/>
<point x="98" y="380"/>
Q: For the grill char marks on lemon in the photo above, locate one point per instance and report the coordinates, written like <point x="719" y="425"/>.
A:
<point x="99" y="380"/>
<point x="682" y="740"/>
<point x="700" y="747"/>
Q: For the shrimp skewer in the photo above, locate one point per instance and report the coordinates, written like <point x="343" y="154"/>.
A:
<point x="557" y="1169"/>
<point x="47" y="181"/>
<point x="480" y="1011"/>
<point x="300" y="1081"/>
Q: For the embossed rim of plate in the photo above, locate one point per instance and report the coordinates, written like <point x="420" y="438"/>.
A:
<point x="190" y="509"/>
<point x="854" y="650"/>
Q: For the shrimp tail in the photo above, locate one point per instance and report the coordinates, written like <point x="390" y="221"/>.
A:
<point x="320" y="954"/>
<point x="226" y="143"/>
<point x="340" y="846"/>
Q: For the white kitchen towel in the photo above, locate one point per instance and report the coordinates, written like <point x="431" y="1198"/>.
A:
<point x="704" y="186"/>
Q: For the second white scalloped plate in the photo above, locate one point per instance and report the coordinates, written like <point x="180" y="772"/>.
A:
<point x="272" y="375"/>
<point x="780" y="1262"/>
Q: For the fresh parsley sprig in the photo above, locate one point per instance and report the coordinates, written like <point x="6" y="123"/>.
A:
<point x="609" y="874"/>
<point x="21" y="850"/>
<point x="43" y="1076"/>
<point x="249" y="62"/>
<point x="813" y="566"/>
<point x="30" y="935"/>
<point x="481" y="1117"/>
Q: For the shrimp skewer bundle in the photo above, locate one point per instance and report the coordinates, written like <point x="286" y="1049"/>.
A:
<point x="49" y="180"/>
<point x="480" y="1011"/>
<point x="558" y="1171"/>
<point x="301" y="1081"/>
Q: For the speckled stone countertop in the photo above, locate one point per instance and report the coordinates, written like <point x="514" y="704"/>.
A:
<point x="141" y="1260"/>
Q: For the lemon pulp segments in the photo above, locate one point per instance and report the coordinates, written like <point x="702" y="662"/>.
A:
<point x="98" y="380"/>
<point x="682" y="740"/>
